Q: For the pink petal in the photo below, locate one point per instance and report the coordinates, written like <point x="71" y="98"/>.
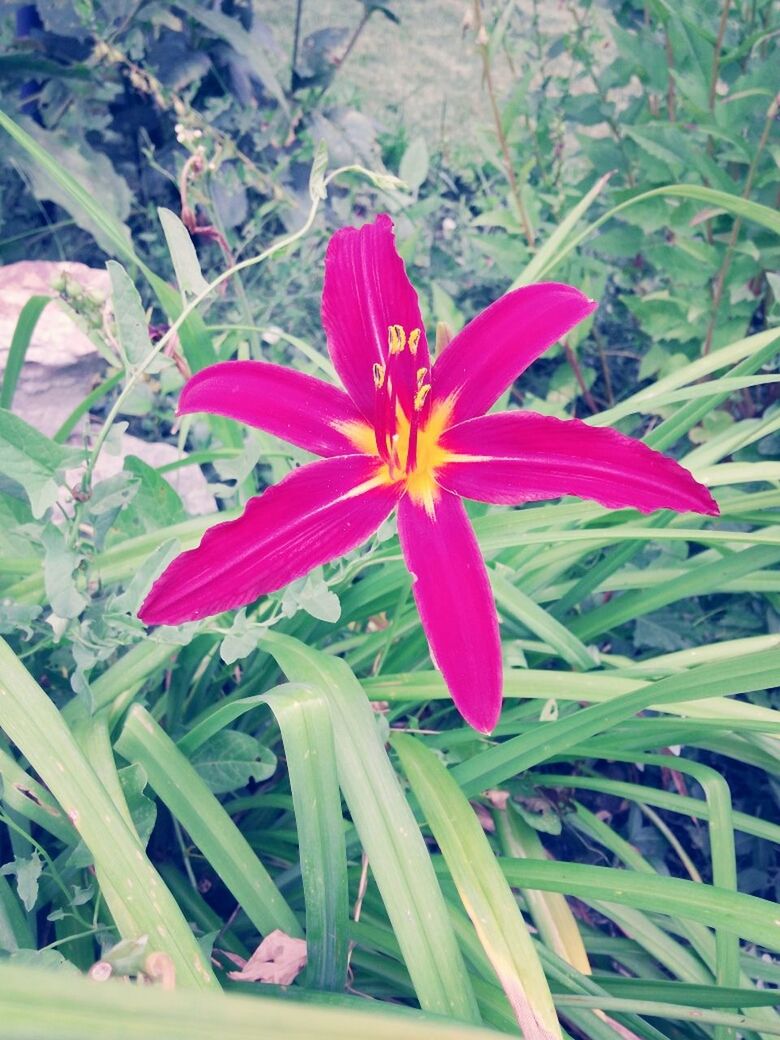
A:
<point x="296" y="407"/>
<point x="317" y="513"/>
<point x="522" y="457"/>
<point x="366" y="290"/>
<point x="453" y="595"/>
<point x="501" y="342"/>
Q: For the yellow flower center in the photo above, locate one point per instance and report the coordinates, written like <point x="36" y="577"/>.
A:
<point x="405" y="436"/>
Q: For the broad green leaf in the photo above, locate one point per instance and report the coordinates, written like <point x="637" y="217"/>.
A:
<point x="230" y="759"/>
<point x="413" y="168"/>
<point x="59" y="163"/>
<point x="33" y="460"/>
<point x="58" y="567"/>
<point x="182" y="250"/>
<point x="131" y="323"/>
<point x="28" y="872"/>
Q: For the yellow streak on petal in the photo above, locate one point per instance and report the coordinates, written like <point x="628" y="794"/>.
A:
<point x="361" y="434"/>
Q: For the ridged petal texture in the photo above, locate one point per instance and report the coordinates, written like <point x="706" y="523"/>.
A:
<point x="488" y="355"/>
<point x="296" y="407"/>
<point x="523" y="457"/>
<point x="453" y="595"/>
<point x="366" y="290"/>
<point x="314" y="515"/>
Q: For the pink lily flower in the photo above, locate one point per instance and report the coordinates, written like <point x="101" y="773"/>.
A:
<point x="410" y="435"/>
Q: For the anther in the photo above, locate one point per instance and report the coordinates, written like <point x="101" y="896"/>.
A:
<point x="379" y="375"/>
<point x="420" y="396"/>
<point x="421" y="374"/>
<point x="396" y="339"/>
<point x="414" y="340"/>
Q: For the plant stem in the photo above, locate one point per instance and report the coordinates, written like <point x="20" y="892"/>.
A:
<point x="194" y="303"/>
<point x="574" y="364"/>
<point x="716" y="56"/>
<point x="482" y="44"/>
<point x="720" y="280"/>
<point x="296" y="38"/>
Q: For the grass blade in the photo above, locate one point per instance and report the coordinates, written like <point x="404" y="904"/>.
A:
<point x="20" y="341"/>
<point x="482" y="888"/>
<point x="190" y="801"/>
<point x="62" y="1006"/>
<point x="38" y="730"/>
<point x="304" y="720"/>
<point x="388" y="831"/>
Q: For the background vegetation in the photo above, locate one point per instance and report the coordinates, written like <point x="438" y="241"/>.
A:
<point x="606" y="862"/>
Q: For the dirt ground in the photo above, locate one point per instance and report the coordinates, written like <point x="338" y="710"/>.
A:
<point x="425" y="72"/>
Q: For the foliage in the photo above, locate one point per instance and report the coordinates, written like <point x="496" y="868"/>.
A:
<point x="157" y="818"/>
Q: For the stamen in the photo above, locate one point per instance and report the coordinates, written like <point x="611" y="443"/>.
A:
<point x="414" y="340"/>
<point x="379" y="375"/>
<point x="420" y="396"/>
<point x="421" y="374"/>
<point x="396" y="338"/>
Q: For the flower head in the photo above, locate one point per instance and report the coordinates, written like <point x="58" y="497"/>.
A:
<point x="412" y="435"/>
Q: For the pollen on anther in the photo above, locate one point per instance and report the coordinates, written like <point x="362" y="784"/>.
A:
<point x="396" y="339"/>
<point x="379" y="375"/>
<point x="421" y="374"/>
<point x="414" y="340"/>
<point x="420" y="396"/>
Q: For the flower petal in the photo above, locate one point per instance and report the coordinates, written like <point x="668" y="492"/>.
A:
<point x="296" y="407"/>
<point x="452" y="592"/>
<point x="500" y="343"/>
<point x="317" y="513"/>
<point x="366" y="290"/>
<point x="522" y="457"/>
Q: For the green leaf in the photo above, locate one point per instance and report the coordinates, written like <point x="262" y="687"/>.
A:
<point x="143" y="810"/>
<point x="318" y="167"/>
<point x="33" y="723"/>
<point x="28" y="872"/>
<point x="33" y="460"/>
<point x="20" y="341"/>
<point x="304" y="720"/>
<point x="495" y="765"/>
<point x="60" y="161"/>
<point x="66" y="1007"/>
<point x="388" y="832"/>
<point x="182" y="250"/>
<point x="413" y="168"/>
<point x="189" y="799"/>
<point x="312" y="595"/>
<point x="230" y="759"/>
<point x="132" y="326"/>
<point x="752" y="918"/>
<point x="59" y="564"/>
<point x="483" y="890"/>
<point x="155" y="504"/>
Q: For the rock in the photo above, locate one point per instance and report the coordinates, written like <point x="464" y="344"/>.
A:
<point x="61" y="364"/>
<point x="189" y="482"/>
